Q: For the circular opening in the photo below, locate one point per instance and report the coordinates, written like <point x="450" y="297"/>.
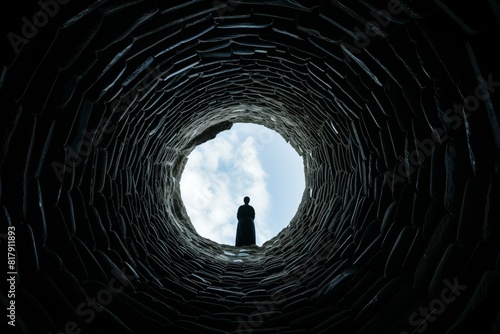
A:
<point x="247" y="160"/>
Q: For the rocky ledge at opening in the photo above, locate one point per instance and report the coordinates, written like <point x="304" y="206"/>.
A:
<point x="392" y="105"/>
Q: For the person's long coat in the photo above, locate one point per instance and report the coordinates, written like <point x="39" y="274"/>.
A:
<point x="245" y="231"/>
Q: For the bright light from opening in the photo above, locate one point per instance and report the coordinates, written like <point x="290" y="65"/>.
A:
<point x="247" y="160"/>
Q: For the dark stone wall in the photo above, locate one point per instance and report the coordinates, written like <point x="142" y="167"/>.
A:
<point x="392" y="105"/>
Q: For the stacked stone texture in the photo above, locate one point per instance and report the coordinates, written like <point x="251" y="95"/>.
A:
<point x="393" y="107"/>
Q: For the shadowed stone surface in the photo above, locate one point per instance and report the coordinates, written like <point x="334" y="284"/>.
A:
<point x="392" y="105"/>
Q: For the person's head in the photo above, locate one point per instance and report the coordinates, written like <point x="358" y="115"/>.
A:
<point x="246" y="199"/>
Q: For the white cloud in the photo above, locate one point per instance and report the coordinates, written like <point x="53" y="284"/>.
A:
<point x="220" y="172"/>
<point x="218" y="175"/>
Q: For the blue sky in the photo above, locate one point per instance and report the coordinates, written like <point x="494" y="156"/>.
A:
<point x="247" y="160"/>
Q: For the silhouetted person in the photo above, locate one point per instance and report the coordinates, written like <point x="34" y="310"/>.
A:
<point x="245" y="232"/>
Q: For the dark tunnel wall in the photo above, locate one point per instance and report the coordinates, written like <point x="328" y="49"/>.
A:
<point x="392" y="105"/>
